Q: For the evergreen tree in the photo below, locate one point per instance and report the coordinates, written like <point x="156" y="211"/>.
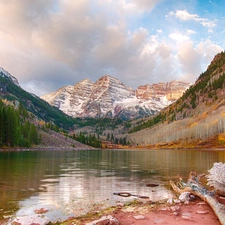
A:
<point x="33" y="134"/>
<point x="13" y="130"/>
<point x="112" y="138"/>
<point x="1" y="125"/>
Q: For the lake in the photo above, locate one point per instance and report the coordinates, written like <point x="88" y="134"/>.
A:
<point x="70" y="183"/>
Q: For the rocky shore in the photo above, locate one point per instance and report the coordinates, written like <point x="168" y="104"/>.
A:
<point x="134" y="213"/>
<point x="145" y="213"/>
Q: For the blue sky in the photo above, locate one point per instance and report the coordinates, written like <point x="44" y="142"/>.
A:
<point x="47" y="44"/>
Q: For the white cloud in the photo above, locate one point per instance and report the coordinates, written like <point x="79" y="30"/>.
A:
<point x="179" y="37"/>
<point x="190" y="32"/>
<point x="159" y="31"/>
<point x="183" y="15"/>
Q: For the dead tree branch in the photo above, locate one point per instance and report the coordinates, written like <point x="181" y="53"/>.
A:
<point x="194" y="187"/>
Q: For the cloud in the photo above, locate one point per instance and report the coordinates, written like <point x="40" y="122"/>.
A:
<point x="145" y="5"/>
<point x="22" y="17"/>
<point x="94" y="44"/>
<point x="48" y="44"/>
<point x="179" y="37"/>
<point x="183" y="15"/>
<point x="189" y="59"/>
<point x="194" y="59"/>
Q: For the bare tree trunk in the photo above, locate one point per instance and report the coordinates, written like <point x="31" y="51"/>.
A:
<point x="193" y="186"/>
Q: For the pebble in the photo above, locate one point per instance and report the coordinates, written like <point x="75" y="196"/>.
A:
<point x="164" y="209"/>
<point x="175" y="208"/>
<point x="120" y="204"/>
<point x="201" y="203"/>
<point x="176" y="213"/>
<point x="176" y="201"/>
<point x="139" y="217"/>
<point x="170" y="201"/>
<point x="41" y="211"/>
<point x="186" y="216"/>
<point x="105" y="220"/>
<point x="202" y="212"/>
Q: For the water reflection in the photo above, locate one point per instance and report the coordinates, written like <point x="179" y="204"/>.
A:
<point x="73" y="182"/>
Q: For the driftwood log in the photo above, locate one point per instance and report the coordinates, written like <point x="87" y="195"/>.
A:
<point x="215" y="179"/>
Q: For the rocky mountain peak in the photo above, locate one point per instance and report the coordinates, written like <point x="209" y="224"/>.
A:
<point x="111" y="88"/>
<point x="109" y="97"/>
<point x="108" y="81"/>
<point x="83" y="87"/>
<point x="171" y="90"/>
<point x="84" y="82"/>
<point x="105" y="79"/>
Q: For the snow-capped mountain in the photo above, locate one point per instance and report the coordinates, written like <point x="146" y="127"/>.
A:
<point x="4" y="73"/>
<point x="109" y="97"/>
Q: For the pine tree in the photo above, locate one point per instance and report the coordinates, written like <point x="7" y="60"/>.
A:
<point x="13" y="130"/>
<point x="1" y="125"/>
<point x="33" y="134"/>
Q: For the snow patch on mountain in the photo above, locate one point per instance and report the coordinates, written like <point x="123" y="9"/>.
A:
<point x="109" y="97"/>
<point x="4" y="73"/>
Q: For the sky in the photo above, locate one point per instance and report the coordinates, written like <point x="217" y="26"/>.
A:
<point x="47" y="44"/>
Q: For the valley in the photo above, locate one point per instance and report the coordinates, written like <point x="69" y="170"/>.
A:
<point x="163" y="115"/>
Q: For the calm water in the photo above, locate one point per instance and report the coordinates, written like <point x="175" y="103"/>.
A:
<point x="74" y="182"/>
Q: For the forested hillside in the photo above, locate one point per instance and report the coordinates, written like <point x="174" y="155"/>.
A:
<point x="197" y="116"/>
<point x="40" y="108"/>
<point x="15" y="127"/>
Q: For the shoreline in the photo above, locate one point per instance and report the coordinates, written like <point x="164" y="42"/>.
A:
<point x="144" y="213"/>
<point x="50" y="148"/>
<point x="136" y="212"/>
<point x="53" y="148"/>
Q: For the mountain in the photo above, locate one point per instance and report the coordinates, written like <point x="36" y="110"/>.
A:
<point x="197" y="119"/>
<point x="6" y="74"/>
<point x="172" y="90"/>
<point x="109" y="97"/>
<point x="47" y="118"/>
<point x="11" y="90"/>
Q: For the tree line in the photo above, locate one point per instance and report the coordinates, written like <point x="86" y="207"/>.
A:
<point x="115" y="140"/>
<point x="89" y="139"/>
<point x="15" y="129"/>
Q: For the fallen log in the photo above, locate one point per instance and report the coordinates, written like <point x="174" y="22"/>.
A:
<point x="194" y="186"/>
